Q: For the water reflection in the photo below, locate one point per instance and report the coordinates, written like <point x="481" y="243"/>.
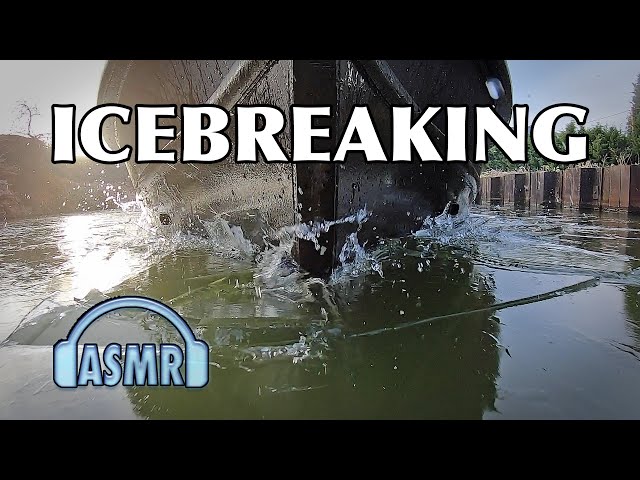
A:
<point x="93" y="262"/>
<point x="632" y="309"/>
<point x="304" y="364"/>
<point x="284" y="345"/>
<point x="619" y="233"/>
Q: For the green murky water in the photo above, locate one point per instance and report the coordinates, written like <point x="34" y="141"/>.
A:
<point x="510" y="316"/>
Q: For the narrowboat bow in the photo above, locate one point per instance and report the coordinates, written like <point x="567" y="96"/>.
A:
<point x="259" y="196"/>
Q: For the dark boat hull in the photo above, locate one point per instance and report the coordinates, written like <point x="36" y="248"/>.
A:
<point x="263" y="196"/>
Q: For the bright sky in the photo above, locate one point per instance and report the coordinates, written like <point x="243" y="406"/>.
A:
<point x="604" y="86"/>
<point x="43" y="83"/>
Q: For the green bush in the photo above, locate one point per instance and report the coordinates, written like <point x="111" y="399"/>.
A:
<point x="607" y="145"/>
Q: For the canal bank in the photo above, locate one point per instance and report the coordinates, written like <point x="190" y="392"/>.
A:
<point x="616" y="187"/>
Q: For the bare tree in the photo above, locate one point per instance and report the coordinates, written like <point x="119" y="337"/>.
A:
<point x="25" y="113"/>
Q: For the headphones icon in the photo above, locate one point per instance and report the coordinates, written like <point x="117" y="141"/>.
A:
<point x="65" y="351"/>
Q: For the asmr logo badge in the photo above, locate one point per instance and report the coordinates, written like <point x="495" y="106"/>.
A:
<point x="140" y="364"/>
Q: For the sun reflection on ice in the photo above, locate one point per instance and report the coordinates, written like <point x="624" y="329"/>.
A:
<point x="92" y="259"/>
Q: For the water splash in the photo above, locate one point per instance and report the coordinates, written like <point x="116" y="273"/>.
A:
<point x="452" y="225"/>
<point x="279" y="294"/>
<point x="311" y="231"/>
<point x="356" y="260"/>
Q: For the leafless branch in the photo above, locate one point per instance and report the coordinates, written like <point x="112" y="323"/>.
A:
<point x="26" y="111"/>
